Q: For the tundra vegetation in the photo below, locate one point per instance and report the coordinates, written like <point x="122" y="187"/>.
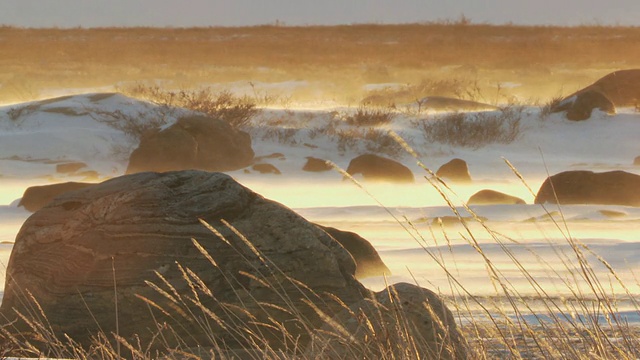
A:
<point x="337" y="60"/>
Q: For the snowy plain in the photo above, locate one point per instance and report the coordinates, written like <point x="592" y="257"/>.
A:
<point x="401" y="221"/>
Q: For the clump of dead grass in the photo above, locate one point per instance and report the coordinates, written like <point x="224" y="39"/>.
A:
<point x="473" y="130"/>
<point x="236" y="110"/>
<point x="369" y="116"/>
<point x="448" y="87"/>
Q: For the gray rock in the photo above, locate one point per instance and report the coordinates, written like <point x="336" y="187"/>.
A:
<point x="195" y="142"/>
<point x="378" y="168"/>
<point x="70" y="252"/>
<point x="587" y="187"/>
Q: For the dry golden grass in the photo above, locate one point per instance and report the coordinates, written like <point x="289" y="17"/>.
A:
<point x="545" y="59"/>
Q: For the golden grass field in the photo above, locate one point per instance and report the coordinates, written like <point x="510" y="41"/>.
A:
<point x="339" y="60"/>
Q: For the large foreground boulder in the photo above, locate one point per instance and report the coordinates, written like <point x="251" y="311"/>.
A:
<point x="35" y="197"/>
<point x="587" y="187"/>
<point x="377" y="168"/>
<point x="368" y="262"/>
<point x="195" y="142"/>
<point x="260" y="274"/>
<point x="70" y="254"/>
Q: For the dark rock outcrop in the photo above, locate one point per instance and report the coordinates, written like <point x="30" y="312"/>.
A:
<point x="618" y="89"/>
<point x="368" y="262"/>
<point x="488" y="197"/>
<point x="316" y="165"/>
<point x="622" y="87"/>
<point x="378" y="168"/>
<point x="35" y="197"/>
<point x="455" y="170"/>
<point x="265" y="168"/>
<point x="580" y="106"/>
<point x="587" y="187"/>
<point x="195" y="142"/>
<point x="382" y="324"/>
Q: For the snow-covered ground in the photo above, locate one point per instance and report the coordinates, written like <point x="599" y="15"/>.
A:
<point x="35" y="137"/>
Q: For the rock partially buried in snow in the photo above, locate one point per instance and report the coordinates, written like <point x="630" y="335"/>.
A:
<point x="588" y="187"/>
<point x="194" y="142"/>
<point x="492" y="197"/>
<point x="36" y="197"/>
<point x="377" y="168"/>
<point x="618" y="89"/>
<point x="316" y="165"/>
<point x="622" y="87"/>
<point x="580" y="106"/>
<point x="455" y="170"/>
<point x="368" y="262"/>
<point x="128" y="229"/>
<point x="264" y="168"/>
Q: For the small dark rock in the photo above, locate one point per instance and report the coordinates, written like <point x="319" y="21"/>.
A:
<point x="316" y="165"/>
<point x="377" y="168"/>
<point x="266" y="169"/>
<point x="368" y="262"/>
<point x="36" y="197"/>
<point x="488" y="197"/>
<point x="455" y="170"/>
